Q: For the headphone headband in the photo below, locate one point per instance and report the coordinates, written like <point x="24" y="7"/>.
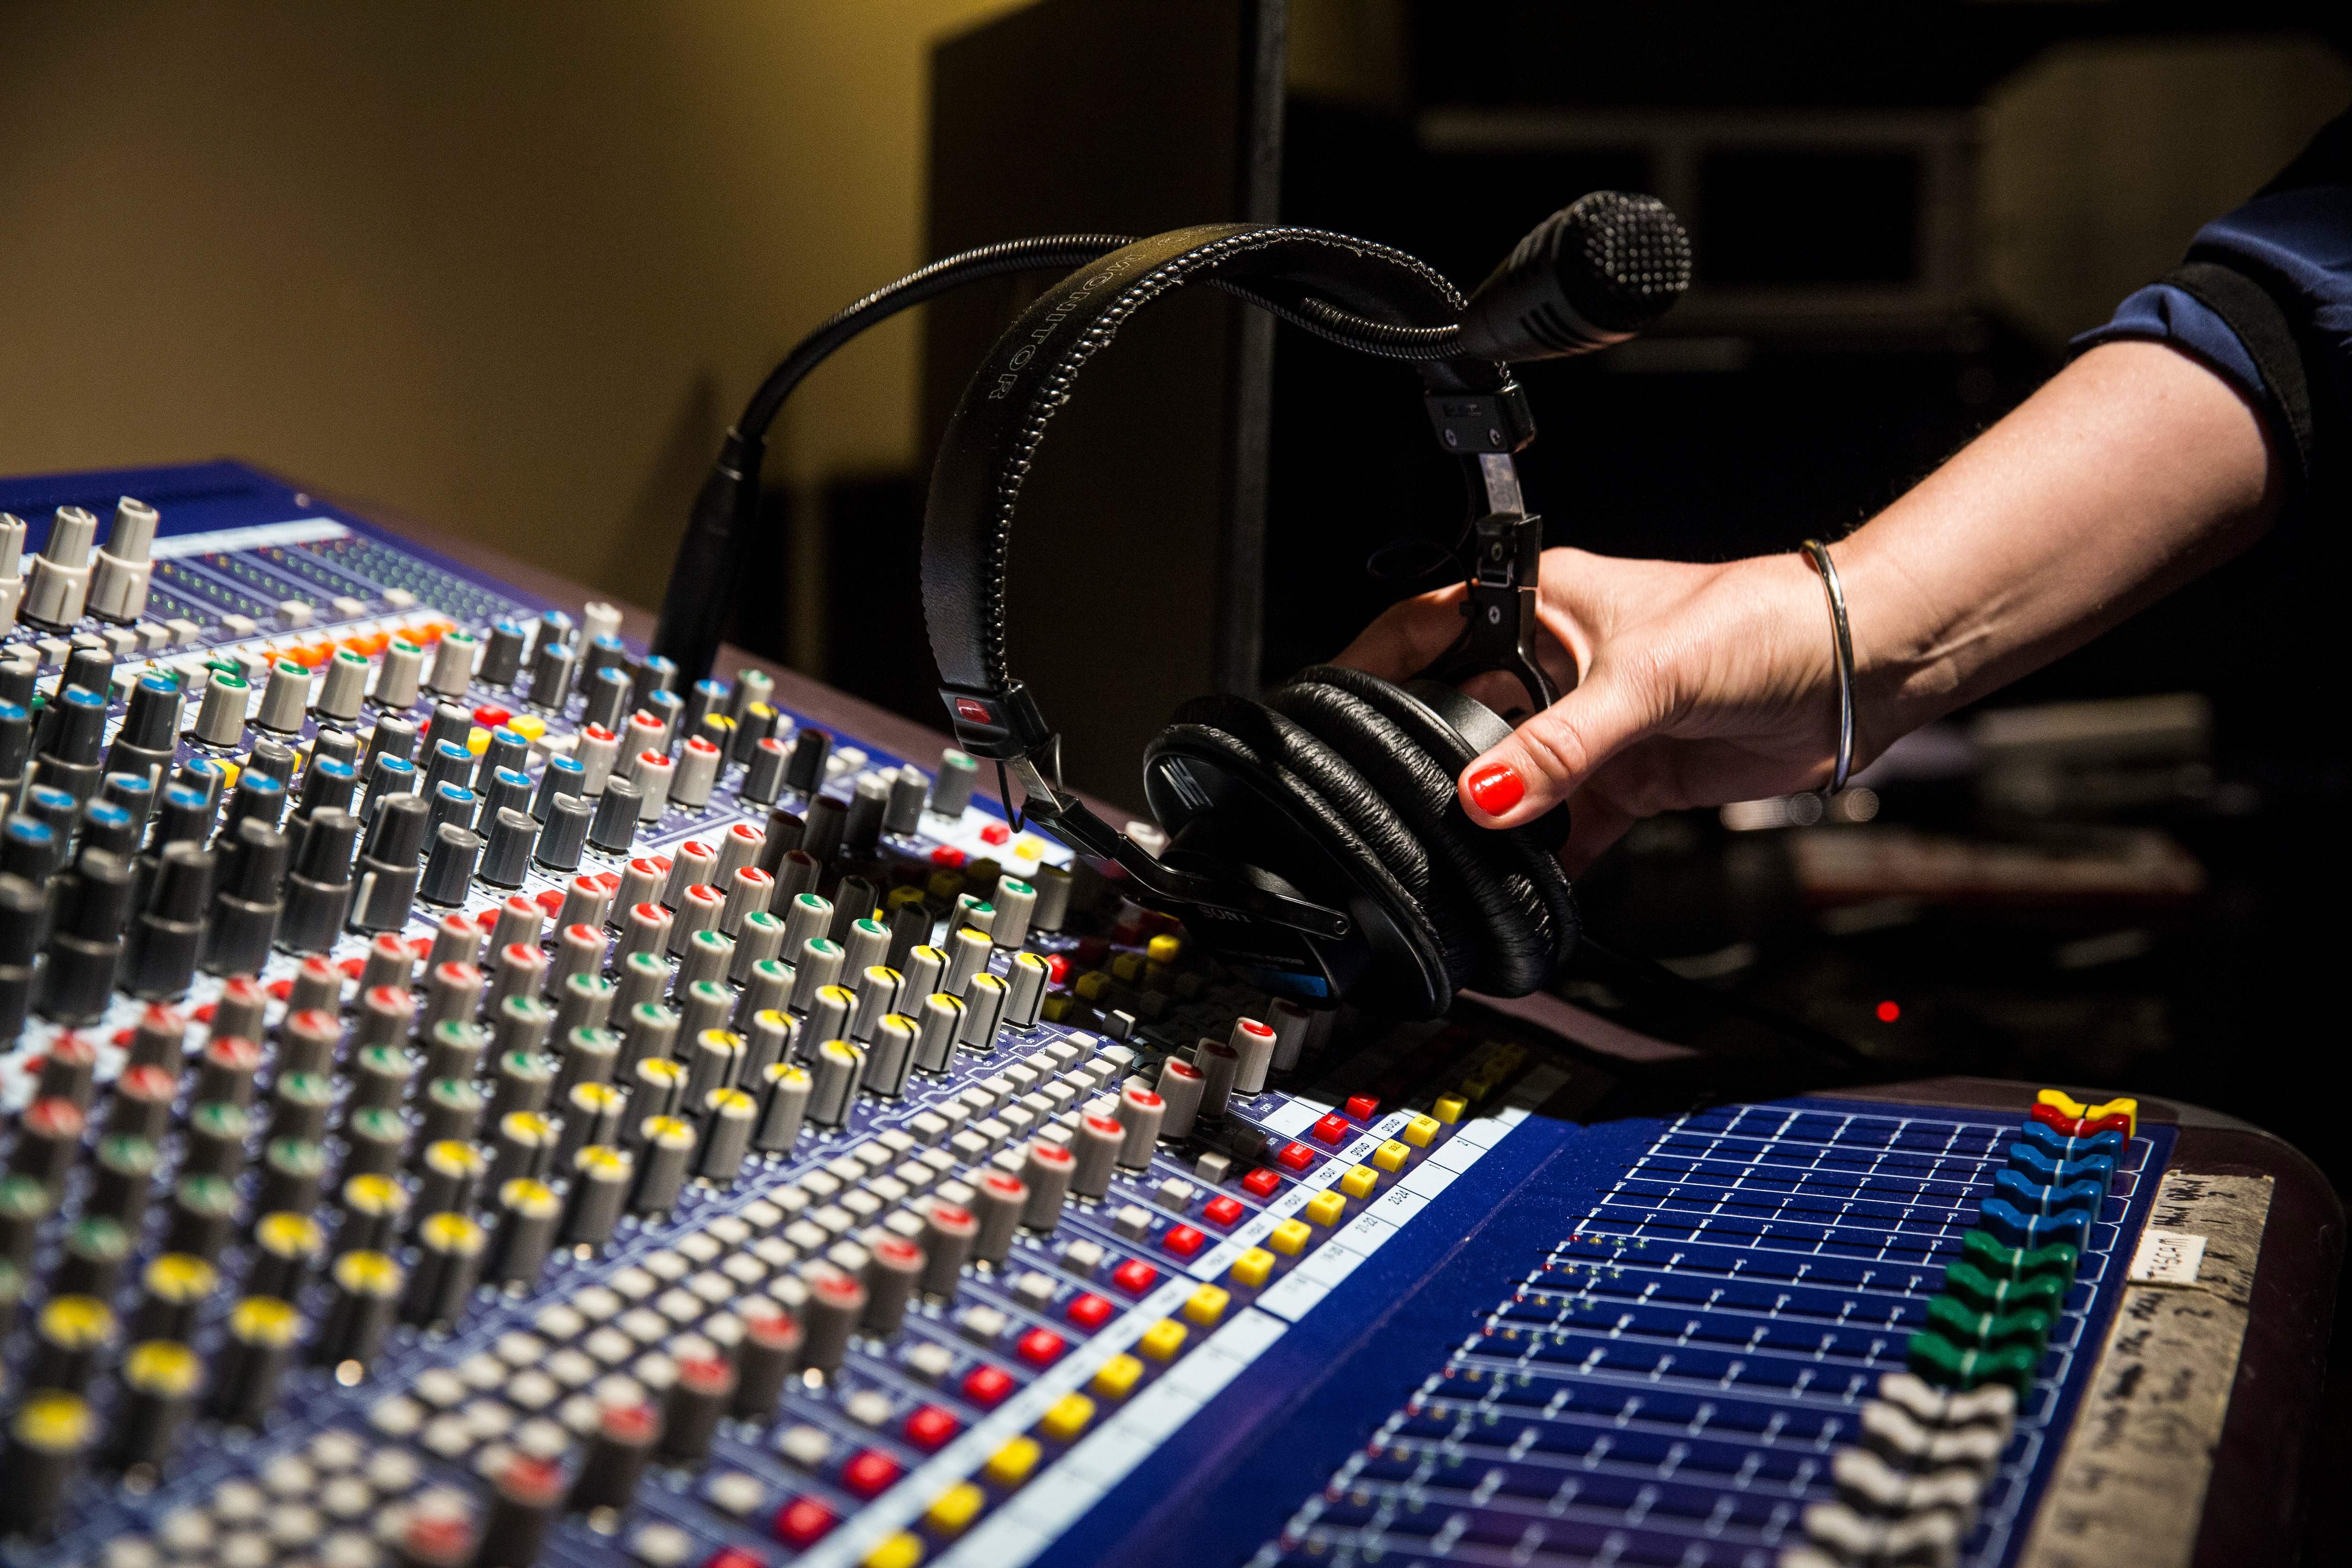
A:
<point x="1004" y="414"/>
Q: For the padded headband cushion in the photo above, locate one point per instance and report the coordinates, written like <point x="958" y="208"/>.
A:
<point x="1529" y="874"/>
<point x="1511" y="955"/>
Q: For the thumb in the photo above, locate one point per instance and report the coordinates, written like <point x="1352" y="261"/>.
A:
<point x="1549" y="755"/>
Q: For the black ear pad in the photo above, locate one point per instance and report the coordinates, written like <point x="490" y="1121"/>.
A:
<point x="1512" y="877"/>
<point x="1362" y="804"/>
<point x="1322" y="795"/>
<point x="1507" y="954"/>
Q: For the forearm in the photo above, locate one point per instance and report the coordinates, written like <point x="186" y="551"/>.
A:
<point x="2133" y="472"/>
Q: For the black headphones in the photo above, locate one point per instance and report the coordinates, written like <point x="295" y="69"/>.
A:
<point x="1316" y="842"/>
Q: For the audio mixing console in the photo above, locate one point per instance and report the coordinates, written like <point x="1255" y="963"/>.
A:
<point x="469" y="1102"/>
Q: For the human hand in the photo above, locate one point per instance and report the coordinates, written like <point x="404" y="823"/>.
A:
<point x="1699" y="684"/>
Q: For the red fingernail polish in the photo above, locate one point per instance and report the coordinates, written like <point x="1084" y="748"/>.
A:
<point x="1496" y="788"/>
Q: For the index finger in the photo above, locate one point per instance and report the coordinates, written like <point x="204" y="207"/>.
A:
<point x="1407" y="636"/>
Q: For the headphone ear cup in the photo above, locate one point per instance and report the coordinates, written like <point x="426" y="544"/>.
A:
<point x="1510" y="874"/>
<point x="1319" y="794"/>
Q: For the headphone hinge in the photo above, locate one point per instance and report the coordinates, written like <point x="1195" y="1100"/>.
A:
<point x="1002" y="724"/>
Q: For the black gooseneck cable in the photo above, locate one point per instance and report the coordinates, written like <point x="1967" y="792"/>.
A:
<point x="709" y="558"/>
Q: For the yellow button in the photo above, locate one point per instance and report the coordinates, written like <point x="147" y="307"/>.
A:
<point x="1117" y="1377"/>
<point x="1449" y="1109"/>
<point x="955" y="1508"/>
<point x="1027" y="847"/>
<point x="1325" y="1208"/>
<point x="529" y="726"/>
<point x="1066" y="1417"/>
<point x="1290" y="1236"/>
<point x="1360" y="1181"/>
<point x="2066" y="1105"/>
<point x="903" y="1550"/>
<point x="1164" y="948"/>
<point x="1057" y="1008"/>
<point x="1252" y="1268"/>
<point x="1091" y="984"/>
<point x="1011" y="1465"/>
<point x="228" y="774"/>
<point x="1207" y="1304"/>
<point x="478" y="740"/>
<point x="1421" y="1128"/>
<point x="1127" y="968"/>
<point x="1391" y="1155"/>
<point x="1162" y="1339"/>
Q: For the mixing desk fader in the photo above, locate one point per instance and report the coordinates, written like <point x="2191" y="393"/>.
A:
<point x="471" y="1101"/>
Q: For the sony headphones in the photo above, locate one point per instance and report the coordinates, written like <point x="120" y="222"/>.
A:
<point x="1316" y="842"/>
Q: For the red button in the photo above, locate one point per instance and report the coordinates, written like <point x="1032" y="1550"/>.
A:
<point x="929" y="1427"/>
<point x="1041" y="1347"/>
<point x="948" y="856"/>
<point x="1363" y="1107"/>
<point x="1261" y="1182"/>
<point x="1183" y="1241"/>
<point x="1134" y="1276"/>
<point x="352" y="968"/>
<point x="869" y="1473"/>
<point x="1093" y="952"/>
<point x="985" y="1386"/>
<point x="1332" y="1129"/>
<point x="491" y="718"/>
<point x="734" y="1557"/>
<point x="279" y="990"/>
<point x="804" y="1521"/>
<point x="1297" y="1156"/>
<point x="996" y="833"/>
<point x="204" y="1015"/>
<point x="1090" y="1311"/>
<point x="1222" y="1209"/>
<point x="1058" y="969"/>
<point x="551" y="900"/>
<point x="486" y="919"/>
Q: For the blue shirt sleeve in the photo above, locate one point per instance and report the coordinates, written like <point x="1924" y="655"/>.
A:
<point x="2294" y="240"/>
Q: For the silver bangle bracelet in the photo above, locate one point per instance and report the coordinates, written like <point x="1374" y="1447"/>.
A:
<point x="1841" y="639"/>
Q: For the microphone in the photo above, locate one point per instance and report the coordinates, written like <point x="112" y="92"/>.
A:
<point x="1594" y="273"/>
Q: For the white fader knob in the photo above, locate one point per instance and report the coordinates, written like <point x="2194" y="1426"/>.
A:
<point x="60" y="580"/>
<point x="118" y="586"/>
<point x="598" y="619"/>
<point x="12" y="560"/>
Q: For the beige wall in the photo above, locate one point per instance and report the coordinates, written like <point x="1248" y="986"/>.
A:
<point x="509" y="268"/>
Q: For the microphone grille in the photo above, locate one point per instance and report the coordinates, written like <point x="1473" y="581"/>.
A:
<point x="1620" y="259"/>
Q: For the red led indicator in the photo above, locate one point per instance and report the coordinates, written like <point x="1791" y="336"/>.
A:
<point x="1888" y="1012"/>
